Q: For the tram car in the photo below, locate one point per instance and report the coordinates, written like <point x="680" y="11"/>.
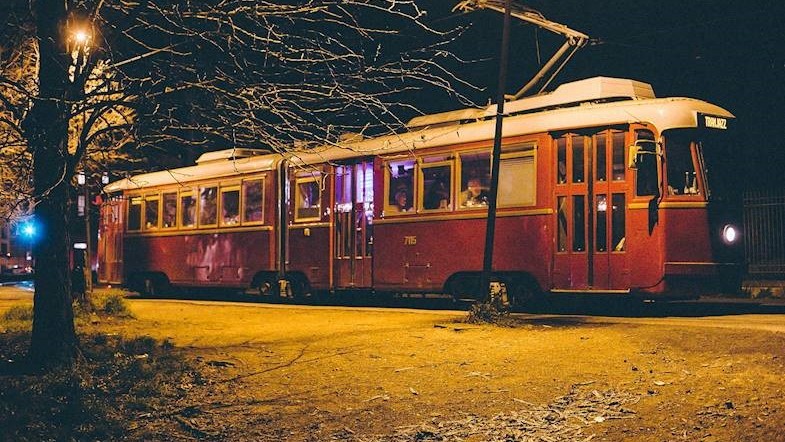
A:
<point x="603" y="188"/>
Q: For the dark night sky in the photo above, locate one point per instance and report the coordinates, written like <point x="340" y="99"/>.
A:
<point x="727" y="52"/>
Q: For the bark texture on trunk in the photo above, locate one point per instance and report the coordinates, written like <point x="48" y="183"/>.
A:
<point x="54" y="340"/>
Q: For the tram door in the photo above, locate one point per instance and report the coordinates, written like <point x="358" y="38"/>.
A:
<point x="353" y="228"/>
<point x="110" y="242"/>
<point x="591" y="211"/>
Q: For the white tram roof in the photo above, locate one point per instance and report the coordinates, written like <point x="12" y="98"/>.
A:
<point x="594" y="102"/>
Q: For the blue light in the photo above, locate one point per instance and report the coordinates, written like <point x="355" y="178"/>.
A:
<point x="29" y="229"/>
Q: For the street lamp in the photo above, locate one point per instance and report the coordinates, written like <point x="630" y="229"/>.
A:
<point x="78" y="45"/>
<point x="81" y="37"/>
<point x="83" y="209"/>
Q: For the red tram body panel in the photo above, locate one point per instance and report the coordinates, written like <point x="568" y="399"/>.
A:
<point x="603" y="188"/>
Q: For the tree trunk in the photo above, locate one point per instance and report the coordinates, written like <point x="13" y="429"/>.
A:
<point x="54" y="339"/>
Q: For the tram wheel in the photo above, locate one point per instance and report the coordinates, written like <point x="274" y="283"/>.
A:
<point x="523" y="296"/>
<point x="152" y="286"/>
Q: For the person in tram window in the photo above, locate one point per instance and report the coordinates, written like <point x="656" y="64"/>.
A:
<point x="474" y="195"/>
<point x="438" y="196"/>
<point x="402" y="200"/>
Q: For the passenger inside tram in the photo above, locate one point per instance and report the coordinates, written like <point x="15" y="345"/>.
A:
<point x="474" y="195"/>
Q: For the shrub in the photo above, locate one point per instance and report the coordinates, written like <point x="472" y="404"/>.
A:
<point x="19" y="313"/>
<point x="110" y="302"/>
<point x="97" y="398"/>
<point x="115" y="305"/>
<point x="484" y="312"/>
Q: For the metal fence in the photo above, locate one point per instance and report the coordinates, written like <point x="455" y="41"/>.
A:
<point x="764" y="232"/>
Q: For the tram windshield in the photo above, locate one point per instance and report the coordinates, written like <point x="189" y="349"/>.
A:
<point x="698" y="164"/>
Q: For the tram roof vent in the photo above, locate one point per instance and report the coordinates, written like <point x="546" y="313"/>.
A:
<point x="447" y="118"/>
<point x="229" y="154"/>
<point x="597" y="89"/>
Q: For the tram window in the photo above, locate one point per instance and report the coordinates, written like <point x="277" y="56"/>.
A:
<point x="252" y="201"/>
<point x="134" y="213"/>
<point x="208" y="206"/>
<point x="437" y="189"/>
<point x="170" y="210"/>
<point x="561" y="160"/>
<point x="602" y="223"/>
<point x="343" y="188"/>
<point x="400" y="187"/>
<point x="561" y="227"/>
<point x="578" y="225"/>
<point x="578" y="173"/>
<point x="365" y="186"/>
<point x="618" y="234"/>
<point x="151" y="209"/>
<point x="682" y="179"/>
<point x="601" y="155"/>
<point x="308" y="199"/>
<point x="475" y="178"/>
<point x="187" y="210"/>
<point x="619" y="165"/>
<point x="647" y="182"/>
<point x="230" y="206"/>
<point x="517" y="180"/>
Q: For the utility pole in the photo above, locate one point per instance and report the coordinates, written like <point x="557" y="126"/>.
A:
<point x="574" y="41"/>
<point x="490" y="225"/>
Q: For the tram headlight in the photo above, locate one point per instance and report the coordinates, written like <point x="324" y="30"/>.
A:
<point x="730" y="234"/>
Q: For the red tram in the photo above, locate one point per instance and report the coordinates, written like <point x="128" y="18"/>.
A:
<point x="602" y="188"/>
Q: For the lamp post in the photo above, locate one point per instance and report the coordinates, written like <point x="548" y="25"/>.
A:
<point x="78" y="45"/>
<point x="83" y="210"/>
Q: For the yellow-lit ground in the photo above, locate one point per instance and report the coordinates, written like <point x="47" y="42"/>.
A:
<point x="305" y="373"/>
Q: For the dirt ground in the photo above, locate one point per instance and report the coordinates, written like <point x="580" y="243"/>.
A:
<point x="305" y="373"/>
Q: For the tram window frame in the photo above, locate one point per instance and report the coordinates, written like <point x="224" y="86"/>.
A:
<point x="434" y="163"/>
<point x="600" y="141"/>
<point x="174" y="224"/>
<point x="649" y="168"/>
<point x="473" y="158"/>
<point x="693" y="159"/>
<point x="181" y="209"/>
<point x="299" y="214"/>
<point x="580" y="145"/>
<point x="562" y="224"/>
<point x="134" y="223"/>
<point x="526" y="151"/>
<point x="618" y="163"/>
<point x="200" y="206"/>
<point x="561" y="160"/>
<point x="222" y="191"/>
<point x="244" y="201"/>
<point x="148" y="200"/>
<point x="401" y="185"/>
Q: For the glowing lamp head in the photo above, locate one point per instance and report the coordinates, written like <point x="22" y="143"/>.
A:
<point x="730" y="234"/>
<point x="81" y="37"/>
<point x="28" y="230"/>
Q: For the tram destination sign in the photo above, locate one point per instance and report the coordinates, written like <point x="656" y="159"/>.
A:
<point x="706" y="121"/>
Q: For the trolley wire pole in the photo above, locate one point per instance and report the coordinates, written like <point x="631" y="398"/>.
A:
<point x="574" y="41"/>
<point x="490" y="225"/>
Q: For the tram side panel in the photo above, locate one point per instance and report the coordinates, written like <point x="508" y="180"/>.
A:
<point x="224" y="259"/>
<point x="696" y="261"/>
<point x="421" y="255"/>
<point x="309" y="254"/>
<point x="645" y="249"/>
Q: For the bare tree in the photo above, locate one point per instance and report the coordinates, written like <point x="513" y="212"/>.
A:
<point x="81" y="80"/>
